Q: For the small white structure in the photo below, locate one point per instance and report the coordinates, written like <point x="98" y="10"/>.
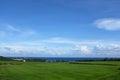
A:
<point x="21" y="60"/>
<point x="24" y="60"/>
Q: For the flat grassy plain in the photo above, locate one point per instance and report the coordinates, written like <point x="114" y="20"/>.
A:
<point x="60" y="71"/>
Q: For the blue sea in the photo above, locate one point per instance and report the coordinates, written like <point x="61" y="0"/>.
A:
<point x="53" y="59"/>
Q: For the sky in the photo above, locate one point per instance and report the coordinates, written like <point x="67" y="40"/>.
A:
<point x="60" y="28"/>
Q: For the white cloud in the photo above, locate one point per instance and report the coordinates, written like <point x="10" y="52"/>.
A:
<point x="84" y="48"/>
<point x="108" y="24"/>
<point x="33" y="50"/>
<point x="60" y="40"/>
<point x="25" y="31"/>
<point x="11" y="28"/>
<point x="10" y="31"/>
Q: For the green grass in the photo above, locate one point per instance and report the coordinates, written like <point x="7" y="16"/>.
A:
<point x="59" y="71"/>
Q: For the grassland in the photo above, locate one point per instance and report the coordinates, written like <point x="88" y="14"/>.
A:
<point x="60" y="71"/>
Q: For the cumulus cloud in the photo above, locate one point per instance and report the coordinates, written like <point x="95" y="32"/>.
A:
<point x="84" y="48"/>
<point x="34" y="51"/>
<point x="108" y="24"/>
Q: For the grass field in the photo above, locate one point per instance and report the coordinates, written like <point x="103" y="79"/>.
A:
<point x="59" y="71"/>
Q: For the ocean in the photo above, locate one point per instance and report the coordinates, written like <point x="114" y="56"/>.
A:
<point x="53" y="59"/>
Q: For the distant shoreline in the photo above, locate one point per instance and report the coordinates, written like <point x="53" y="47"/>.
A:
<point x="68" y="59"/>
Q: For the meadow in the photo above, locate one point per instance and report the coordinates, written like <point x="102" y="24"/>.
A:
<point x="99" y="70"/>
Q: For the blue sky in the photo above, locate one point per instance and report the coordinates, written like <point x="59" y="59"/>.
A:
<point x="60" y="28"/>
